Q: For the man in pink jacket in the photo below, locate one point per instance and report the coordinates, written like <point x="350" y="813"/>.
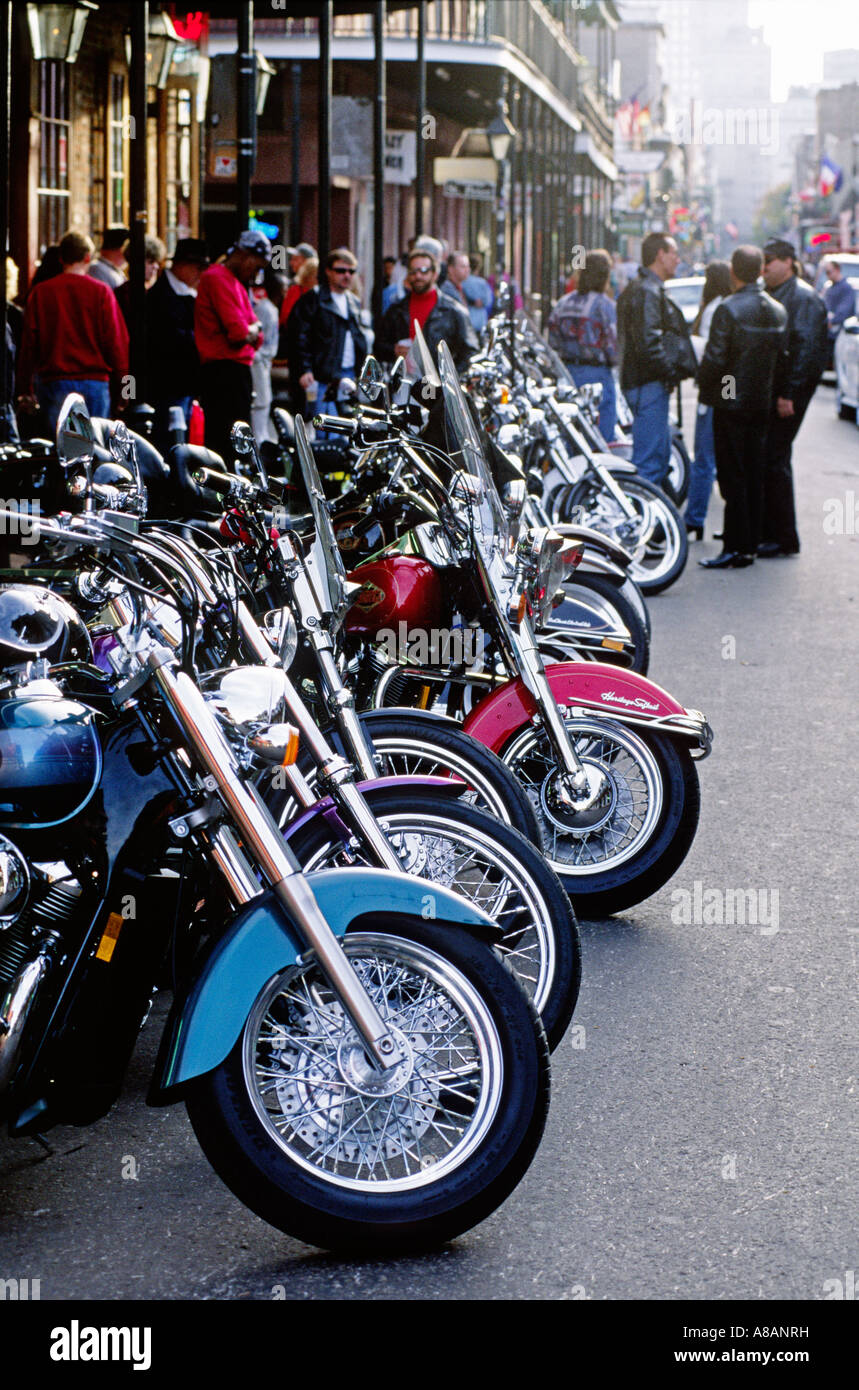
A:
<point x="227" y="333"/>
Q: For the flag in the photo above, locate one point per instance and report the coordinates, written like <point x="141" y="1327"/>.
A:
<point x="831" y="176"/>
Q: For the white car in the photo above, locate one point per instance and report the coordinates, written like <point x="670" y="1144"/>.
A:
<point x="847" y="366"/>
<point x="686" y="294"/>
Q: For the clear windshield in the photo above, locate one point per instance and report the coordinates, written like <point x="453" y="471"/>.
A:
<point x="324" y="561"/>
<point x="493" y="519"/>
<point x="547" y="355"/>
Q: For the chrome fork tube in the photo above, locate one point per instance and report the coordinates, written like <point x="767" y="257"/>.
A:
<point x="534" y="674"/>
<point x="265" y="843"/>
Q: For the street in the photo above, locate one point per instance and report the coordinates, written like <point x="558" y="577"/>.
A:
<point x="704" y="1101"/>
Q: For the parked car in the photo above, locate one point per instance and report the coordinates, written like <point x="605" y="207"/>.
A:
<point x="847" y="366"/>
<point x="686" y="294"/>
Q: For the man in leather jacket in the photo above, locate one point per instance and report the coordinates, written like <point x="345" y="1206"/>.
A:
<point x="807" y="349"/>
<point x="329" y="340"/>
<point x="736" y="377"/>
<point x="441" y="318"/>
<point x="655" y="353"/>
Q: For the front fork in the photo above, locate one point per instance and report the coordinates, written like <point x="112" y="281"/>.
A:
<point x="265" y="844"/>
<point x="576" y="789"/>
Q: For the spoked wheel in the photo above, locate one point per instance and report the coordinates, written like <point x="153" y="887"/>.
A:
<point x="314" y="1140"/>
<point x="491" y="865"/>
<point x="638" y="830"/>
<point x="656" y="537"/>
<point x="408" y="743"/>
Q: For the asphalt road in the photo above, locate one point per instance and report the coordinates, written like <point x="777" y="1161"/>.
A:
<point x="699" y="1142"/>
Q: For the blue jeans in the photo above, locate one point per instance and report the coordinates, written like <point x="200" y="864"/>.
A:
<point x="651" y="431"/>
<point x="583" y="376"/>
<point x="703" y="469"/>
<point x="51" y="392"/>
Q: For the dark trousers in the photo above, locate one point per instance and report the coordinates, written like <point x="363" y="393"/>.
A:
<point x="225" y="395"/>
<point x="779" y="516"/>
<point x="740" y="445"/>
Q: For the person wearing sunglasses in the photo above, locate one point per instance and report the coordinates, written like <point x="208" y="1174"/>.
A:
<point x="330" y="341"/>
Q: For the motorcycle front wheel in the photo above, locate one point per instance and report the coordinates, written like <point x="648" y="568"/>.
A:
<point x="449" y="842"/>
<point x="636" y="836"/>
<point x="656" y="537"/>
<point x="317" y="1143"/>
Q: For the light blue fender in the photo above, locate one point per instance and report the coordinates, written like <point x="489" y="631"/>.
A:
<point x="203" y="1028"/>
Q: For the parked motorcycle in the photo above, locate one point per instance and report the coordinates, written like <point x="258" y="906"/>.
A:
<point x="605" y="755"/>
<point x="360" y="1072"/>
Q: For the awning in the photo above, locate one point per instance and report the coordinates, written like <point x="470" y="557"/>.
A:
<point x="585" y="145"/>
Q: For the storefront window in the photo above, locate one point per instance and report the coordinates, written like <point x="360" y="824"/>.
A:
<point x="117" y="134"/>
<point x="53" y="189"/>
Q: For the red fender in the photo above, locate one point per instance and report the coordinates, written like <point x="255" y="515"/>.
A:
<point x="590" y="684"/>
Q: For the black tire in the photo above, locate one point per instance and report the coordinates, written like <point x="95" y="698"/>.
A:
<point x="676" y="483"/>
<point x="629" y="616"/>
<point x="586" y="495"/>
<point x="600" y="891"/>
<point x="440" y="748"/>
<point x="517" y="887"/>
<point x="268" y="1168"/>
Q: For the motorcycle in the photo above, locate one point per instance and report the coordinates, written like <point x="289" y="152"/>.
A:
<point x="360" y="1072"/>
<point x="606" y="756"/>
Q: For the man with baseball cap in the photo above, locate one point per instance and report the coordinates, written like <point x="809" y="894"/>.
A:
<point x="803" y="364"/>
<point x="110" y="264"/>
<point x="172" y="361"/>
<point x="297" y="255"/>
<point x="227" y="333"/>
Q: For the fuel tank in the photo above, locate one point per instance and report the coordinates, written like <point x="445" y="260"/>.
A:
<point x="395" y="589"/>
<point x="50" y="760"/>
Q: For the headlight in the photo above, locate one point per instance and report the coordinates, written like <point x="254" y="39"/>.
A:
<point x="282" y="633"/>
<point x="549" y="557"/>
<point x="246" y="697"/>
<point x="14" y="882"/>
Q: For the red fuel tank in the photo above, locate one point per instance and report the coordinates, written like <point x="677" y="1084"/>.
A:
<point x="395" y="589"/>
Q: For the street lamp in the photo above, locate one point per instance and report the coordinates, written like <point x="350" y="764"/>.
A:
<point x="56" y="31"/>
<point x="501" y="135"/>
<point x="161" y="43"/>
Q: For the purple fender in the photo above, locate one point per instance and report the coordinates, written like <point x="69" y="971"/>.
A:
<point x="594" y="687"/>
<point x="442" y="786"/>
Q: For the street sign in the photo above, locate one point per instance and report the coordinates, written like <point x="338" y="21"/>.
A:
<point x="482" y="192"/>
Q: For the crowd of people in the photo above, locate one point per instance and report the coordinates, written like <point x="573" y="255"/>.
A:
<point x="214" y="331"/>
<point x="757" y="348"/>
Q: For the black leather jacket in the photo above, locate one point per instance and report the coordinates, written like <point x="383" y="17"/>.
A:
<point x="320" y="333"/>
<point x="807" y="339"/>
<point x="748" y="335"/>
<point x="447" y="321"/>
<point x="653" y="340"/>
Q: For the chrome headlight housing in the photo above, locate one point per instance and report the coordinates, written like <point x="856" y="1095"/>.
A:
<point x="281" y="633"/>
<point x="14" y="882"/>
<point x="246" y="698"/>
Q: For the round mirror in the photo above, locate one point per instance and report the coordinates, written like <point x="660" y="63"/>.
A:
<point x="119" y="442"/>
<point x="75" y="434"/>
<point x="241" y="437"/>
<point x="372" y="379"/>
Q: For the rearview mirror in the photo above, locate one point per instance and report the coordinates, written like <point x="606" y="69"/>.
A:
<point x="372" y="379"/>
<point x="75" y="434"/>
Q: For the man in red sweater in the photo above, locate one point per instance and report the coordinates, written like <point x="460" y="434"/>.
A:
<point x="73" y="339"/>
<point x="227" y="333"/>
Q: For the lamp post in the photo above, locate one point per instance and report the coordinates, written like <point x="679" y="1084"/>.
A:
<point x="501" y="135"/>
<point x="56" y="31"/>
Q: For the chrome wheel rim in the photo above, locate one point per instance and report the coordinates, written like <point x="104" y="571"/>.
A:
<point x="653" y="539"/>
<point x="319" y="1100"/>
<point x="403" y="757"/>
<point x="636" y="795"/>
<point x="473" y="865"/>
